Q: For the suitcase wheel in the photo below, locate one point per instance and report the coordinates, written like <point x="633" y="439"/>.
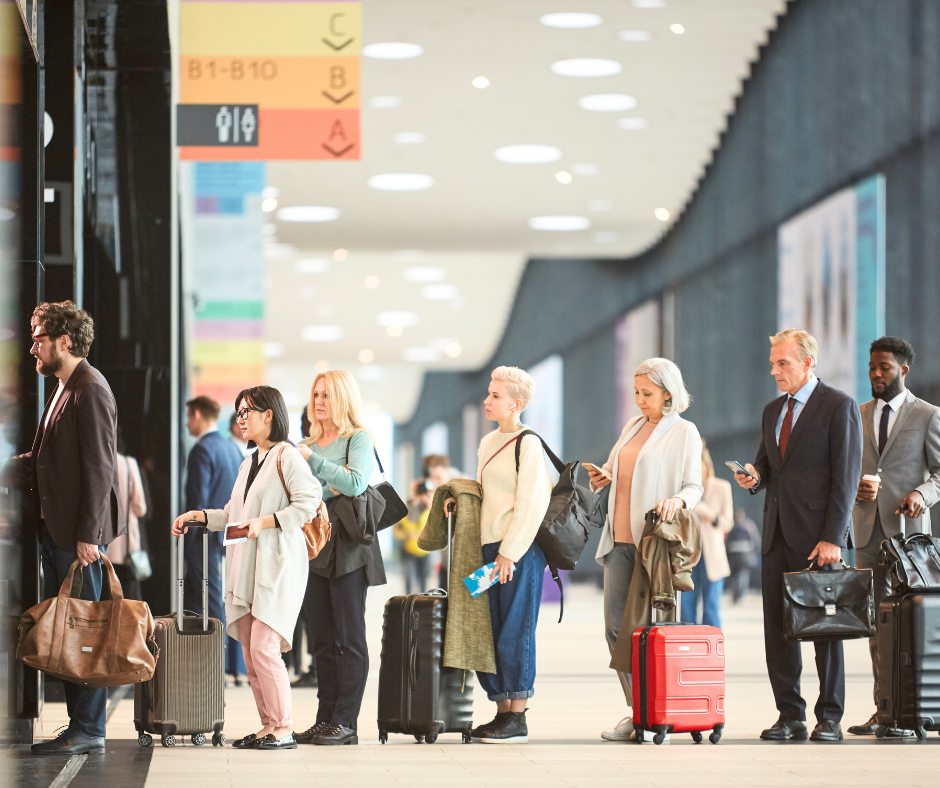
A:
<point x="430" y="738"/>
<point x="383" y="737"/>
<point x="198" y="739"/>
<point x="145" y="740"/>
<point x="218" y="739"/>
<point x="715" y="735"/>
<point x="168" y="740"/>
<point x="419" y="737"/>
<point x="659" y="737"/>
<point x="881" y="732"/>
<point x="697" y="737"/>
<point x="466" y="737"/>
<point x="920" y="732"/>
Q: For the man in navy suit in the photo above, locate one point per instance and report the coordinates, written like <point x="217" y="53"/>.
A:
<point x="210" y="476"/>
<point x="809" y="462"/>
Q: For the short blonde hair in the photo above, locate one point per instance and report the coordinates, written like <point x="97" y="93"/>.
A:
<point x="805" y="343"/>
<point x="666" y="375"/>
<point x="519" y="383"/>
<point x="345" y="402"/>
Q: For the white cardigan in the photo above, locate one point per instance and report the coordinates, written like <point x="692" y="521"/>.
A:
<point x="669" y="466"/>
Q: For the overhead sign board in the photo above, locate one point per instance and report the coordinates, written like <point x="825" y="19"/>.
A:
<point x="224" y="125"/>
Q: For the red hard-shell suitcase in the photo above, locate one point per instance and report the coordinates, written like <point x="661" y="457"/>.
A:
<point x="678" y="681"/>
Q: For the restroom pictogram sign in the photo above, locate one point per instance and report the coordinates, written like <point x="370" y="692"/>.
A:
<point x="224" y="125"/>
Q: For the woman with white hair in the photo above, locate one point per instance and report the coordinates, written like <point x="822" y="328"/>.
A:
<point x="514" y="505"/>
<point x="655" y="464"/>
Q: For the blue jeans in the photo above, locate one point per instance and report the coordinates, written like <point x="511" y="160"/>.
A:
<point x="709" y="593"/>
<point x="86" y="706"/>
<point x="514" y="613"/>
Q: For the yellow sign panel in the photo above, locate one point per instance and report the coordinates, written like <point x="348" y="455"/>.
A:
<point x="233" y="352"/>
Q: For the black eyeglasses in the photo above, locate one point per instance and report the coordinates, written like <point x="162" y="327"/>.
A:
<point x="242" y="414"/>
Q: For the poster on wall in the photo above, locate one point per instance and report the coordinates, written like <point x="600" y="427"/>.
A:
<point x="638" y="337"/>
<point x="831" y="271"/>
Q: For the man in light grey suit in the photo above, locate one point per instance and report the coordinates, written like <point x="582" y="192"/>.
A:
<point x="901" y="444"/>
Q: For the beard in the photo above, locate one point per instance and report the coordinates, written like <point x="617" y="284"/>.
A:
<point x="891" y="390"/>
<point x="54" y="364"/>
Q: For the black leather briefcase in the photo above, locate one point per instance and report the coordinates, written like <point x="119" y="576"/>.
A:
<point x="828" y="605"/>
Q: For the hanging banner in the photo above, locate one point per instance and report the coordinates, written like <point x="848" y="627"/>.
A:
<point x="289" y="70"/>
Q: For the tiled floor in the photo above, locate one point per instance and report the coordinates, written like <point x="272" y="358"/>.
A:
<point x="576" y="697"/>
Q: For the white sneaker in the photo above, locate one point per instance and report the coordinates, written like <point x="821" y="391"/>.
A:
<point x="622" y="731"/>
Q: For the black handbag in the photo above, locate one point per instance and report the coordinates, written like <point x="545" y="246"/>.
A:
<point x="828" y="604"/>
<point x="395" y="508"/>
<point x="911" y="563"/>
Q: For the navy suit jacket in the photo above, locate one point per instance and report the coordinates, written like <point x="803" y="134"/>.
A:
<point x="811" y="491"/>
<point x="211" y="472"/>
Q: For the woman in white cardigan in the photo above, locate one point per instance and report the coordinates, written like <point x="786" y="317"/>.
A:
<point x="266" y="576"/>
<point x="655" y="464"/>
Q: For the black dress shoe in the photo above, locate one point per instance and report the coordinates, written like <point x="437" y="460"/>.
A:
<point x="249" y="742"/>
<point x="271" y="742"/>
<point x="826" y="730"/>
<point x="786" y="730"/>
<point x="870" y="728"/>
<point x="69" y="743"/>
<point x="307" y="736"/>
<point x="336" y="734"/>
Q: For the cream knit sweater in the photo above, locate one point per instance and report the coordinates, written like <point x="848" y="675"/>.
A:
<point x="513" y="507"/>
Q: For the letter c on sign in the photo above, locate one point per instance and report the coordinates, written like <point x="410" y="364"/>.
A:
<point x="333" y="30"/>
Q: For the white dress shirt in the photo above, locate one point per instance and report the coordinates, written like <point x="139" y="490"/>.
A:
<point x="801" y="397"/>
<point x="895" y="405"/>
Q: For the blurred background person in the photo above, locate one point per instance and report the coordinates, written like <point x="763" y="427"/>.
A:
<point x="703" y="604"/>
<point x="235" y="436"/>
<point x="656" y="463"/>
<point x="742" y="546"/>
<point x="128" y="553"/>
<point x="414" y="560"/>
<point x="211" y="470"/>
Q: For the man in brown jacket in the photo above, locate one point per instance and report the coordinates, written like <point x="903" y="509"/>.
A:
<point x="75" y="488"/>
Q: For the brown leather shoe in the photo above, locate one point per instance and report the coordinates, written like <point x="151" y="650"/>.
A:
<point x="870" y="728"/>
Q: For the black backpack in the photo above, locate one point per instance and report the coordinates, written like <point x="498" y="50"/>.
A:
<point x="572" y="510"/>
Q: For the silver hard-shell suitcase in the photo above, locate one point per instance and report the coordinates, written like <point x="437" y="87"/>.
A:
<point x="187" y="692"/>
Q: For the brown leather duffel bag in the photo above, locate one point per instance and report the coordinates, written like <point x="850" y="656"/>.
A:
<point x="98" y="644"/>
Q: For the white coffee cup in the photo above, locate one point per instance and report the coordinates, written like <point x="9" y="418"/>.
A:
<point x="874" y="481"/>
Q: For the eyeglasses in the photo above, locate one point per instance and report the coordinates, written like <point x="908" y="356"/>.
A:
<point x="242" y="414"/>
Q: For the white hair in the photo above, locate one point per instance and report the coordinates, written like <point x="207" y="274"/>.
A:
<point x="805" y="343"/>
<point x="666" y="375"/>
<point x="519" y="383"/>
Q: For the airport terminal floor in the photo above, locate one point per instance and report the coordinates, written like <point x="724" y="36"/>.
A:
<point x="576" y="697"/>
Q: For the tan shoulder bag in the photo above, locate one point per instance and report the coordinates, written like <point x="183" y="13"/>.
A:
<point x="317" y="531"/>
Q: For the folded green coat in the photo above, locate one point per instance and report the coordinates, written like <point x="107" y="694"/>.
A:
<point x="468" y="636"/>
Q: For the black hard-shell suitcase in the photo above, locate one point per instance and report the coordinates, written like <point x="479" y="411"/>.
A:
<point x="909" y="663"/>
<point x="187" y="692"/>
<point x="417" y="694"/>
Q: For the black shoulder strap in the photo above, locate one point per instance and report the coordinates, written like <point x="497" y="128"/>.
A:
<point x="559" y="465"/>
<point x="376" y="452"/>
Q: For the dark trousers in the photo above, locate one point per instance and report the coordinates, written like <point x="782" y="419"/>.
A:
<point x="784" y="660"/>
<point x="192" y="587"/>
<point x="338" y="622"/>
<point x="869" y="557"/>
<point x="86" y="706"/>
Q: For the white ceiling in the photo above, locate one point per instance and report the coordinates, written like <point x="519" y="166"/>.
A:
<point x="474" y="221"/>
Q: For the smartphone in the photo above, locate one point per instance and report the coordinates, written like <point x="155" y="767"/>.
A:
<point x="736" y="467"/>
<point x="592" y="467"/>
<point x="235" y="533"/>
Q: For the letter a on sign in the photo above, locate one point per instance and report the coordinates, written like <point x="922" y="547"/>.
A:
<point x="337" y="130"/>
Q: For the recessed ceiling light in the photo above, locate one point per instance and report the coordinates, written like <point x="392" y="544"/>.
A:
<point x="410" y="137"/>
<point x="649" y="3"/>
<point x="632" y="124"/>
<point x="574" y="19"/>
<point x="599" y="205"/>
<point x="606" y="238"/>
<point x="635" y="36"/>
<point x="371" y="282"/>
<point x="308" y="213"/>
<point x="397" y="318"/>
<point x="268" y="204"/>
<point x="662" y="214"/>
<point x="677" y="28"/>
<point x="453" y="350"/>
<point x="340" y="254"/>
<point x="439" y="292"/>
<point x="560" y="223"/>
<point x="394" y="330"/>
<point x="366" y="356"/>
<point x="585" y="169"/>
<point x="607" y="102"/>
<point x="312" y="265"/>
<point x="393" y="50"/>
<point x="563" y="177"/>
<point x="401" y="182"/>
<point x="425" y="273"/>
<point x="274" y="349"/>
<point x="321" y="366"/>
<point x="322" y="333"/>
<point x="480" y="82"/>
<point x="586" y="67"/>
<point x="384" y="102"/>
<point x="422" y="354"/>
<point x="527" y="154"/>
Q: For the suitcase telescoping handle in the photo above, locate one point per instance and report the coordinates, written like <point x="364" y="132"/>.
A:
<point x="450" y="539"/>
<point x="180" y="570"/>
<point x="924" y="527"/>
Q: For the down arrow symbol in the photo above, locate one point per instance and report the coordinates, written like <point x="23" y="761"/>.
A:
<point x="340" y="100"/>
<point x="338" y="153"/>
<point x="337" y="48"/>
